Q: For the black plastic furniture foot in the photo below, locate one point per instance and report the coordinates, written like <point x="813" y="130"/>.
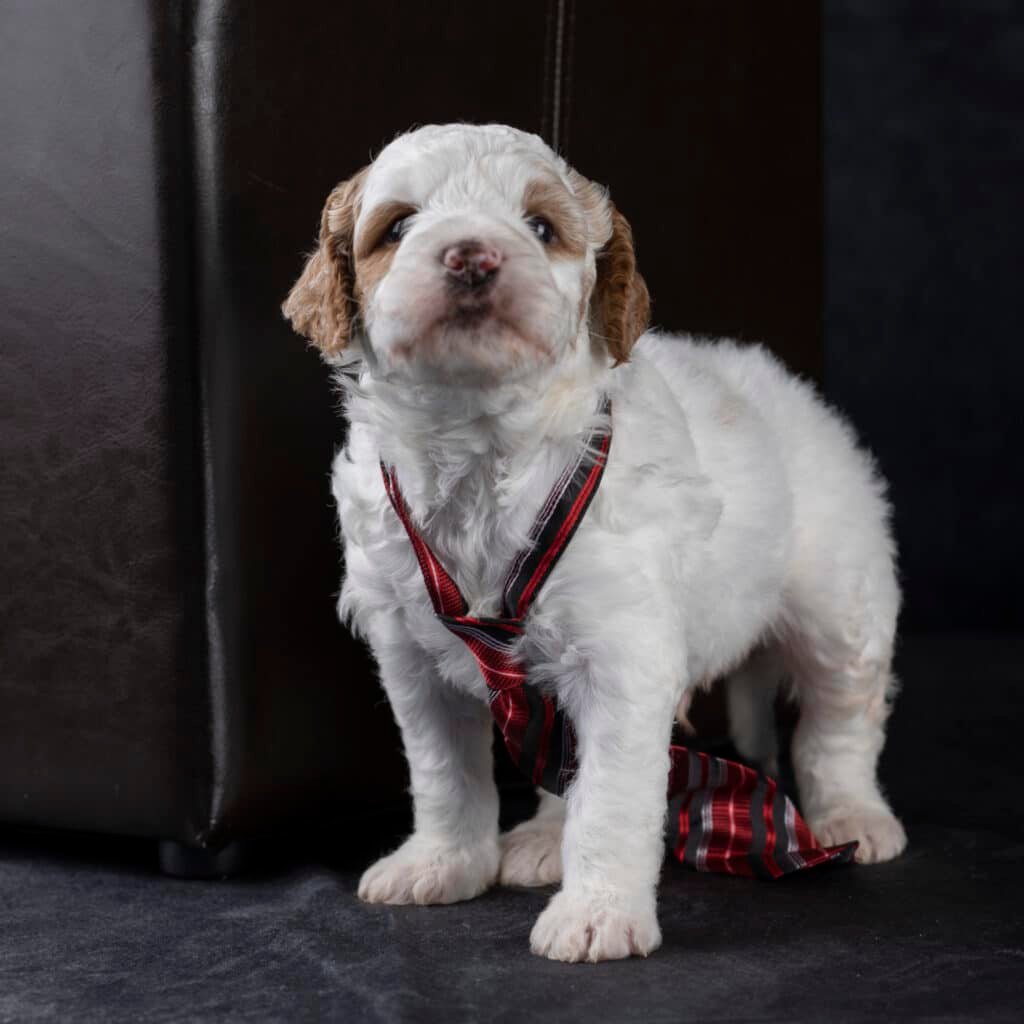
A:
<point x="181" y="861"/>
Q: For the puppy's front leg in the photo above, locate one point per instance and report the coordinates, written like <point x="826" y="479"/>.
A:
<point x="452" y="853"/>
<point x="613" y="843"/>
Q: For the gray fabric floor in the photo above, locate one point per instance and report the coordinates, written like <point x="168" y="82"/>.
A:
<point x="85" y="937"/>
<point x="90" y="931"/>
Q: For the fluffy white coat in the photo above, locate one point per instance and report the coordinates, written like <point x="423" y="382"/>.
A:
<point x="739" y="529"/>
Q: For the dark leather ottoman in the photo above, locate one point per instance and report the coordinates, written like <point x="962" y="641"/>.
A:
<point x="170" y="662"/>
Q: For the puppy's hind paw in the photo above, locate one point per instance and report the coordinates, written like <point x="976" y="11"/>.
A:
<point x="579" y="928"/>
<point x="531" y="854"/>
<point x="879" y="833"/>
<point x="424" y="872"/>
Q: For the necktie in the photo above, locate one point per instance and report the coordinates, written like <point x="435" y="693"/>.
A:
<point x="725" y="816"/>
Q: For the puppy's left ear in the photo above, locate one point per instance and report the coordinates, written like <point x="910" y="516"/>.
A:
<point x="321" y="306"/>
<point x="621" y="305"/>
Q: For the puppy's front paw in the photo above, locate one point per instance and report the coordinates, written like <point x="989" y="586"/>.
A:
<point x="531" y="854"/>
<point x="574" y="928"/>
<point x="879" y="833"/>
<point x="422" y="871"/>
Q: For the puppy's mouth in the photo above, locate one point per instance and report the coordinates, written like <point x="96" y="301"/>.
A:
<point x="476" y="335"/>
<point x="469" y="310"/>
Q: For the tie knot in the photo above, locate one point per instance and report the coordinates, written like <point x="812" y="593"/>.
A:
<point x="499" y="627"/>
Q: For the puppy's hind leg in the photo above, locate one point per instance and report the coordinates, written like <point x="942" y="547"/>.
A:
<point x="750" y="697"/>
<point x="844" y="682"/>
<point x="531" y="853"/>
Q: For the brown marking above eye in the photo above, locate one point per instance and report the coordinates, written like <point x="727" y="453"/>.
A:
<point x="551" y="201"/>
<point x="374" y="251"/>
<point x="374" y="233"/>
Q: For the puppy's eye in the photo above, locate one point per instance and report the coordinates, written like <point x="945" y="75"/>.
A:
<point x="542" y="228"/>
<point x="396" y="232"/>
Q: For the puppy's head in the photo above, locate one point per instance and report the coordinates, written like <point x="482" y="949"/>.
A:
<point x="469" y="253"/>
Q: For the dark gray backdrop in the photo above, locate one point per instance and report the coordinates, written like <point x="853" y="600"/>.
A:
<point x="923" y="343"/>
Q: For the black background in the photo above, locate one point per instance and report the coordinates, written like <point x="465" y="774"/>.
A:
<point x="924" y="160"/>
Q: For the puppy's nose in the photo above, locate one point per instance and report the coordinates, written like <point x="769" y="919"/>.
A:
<point x="470" y="263"/>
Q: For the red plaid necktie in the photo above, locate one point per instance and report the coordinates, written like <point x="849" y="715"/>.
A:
<point x="728" y="818"/>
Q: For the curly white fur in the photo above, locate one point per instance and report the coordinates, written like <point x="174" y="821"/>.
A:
<point x="737" y="515"/>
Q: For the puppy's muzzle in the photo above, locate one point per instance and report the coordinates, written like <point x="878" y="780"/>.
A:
<point x="470" y="265"/>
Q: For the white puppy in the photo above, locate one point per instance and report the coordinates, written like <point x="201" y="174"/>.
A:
<point x="478" y="297"/>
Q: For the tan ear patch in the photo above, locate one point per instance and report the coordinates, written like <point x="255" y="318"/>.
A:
<point x="322" y="304"/>
<point x="621" y="303"/>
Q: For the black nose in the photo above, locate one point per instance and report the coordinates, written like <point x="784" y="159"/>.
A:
<point x="471" y="264"/>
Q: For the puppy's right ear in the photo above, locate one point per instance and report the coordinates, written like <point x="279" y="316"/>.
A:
<point x="321" y="305"/>
<point x="620" y="305"/>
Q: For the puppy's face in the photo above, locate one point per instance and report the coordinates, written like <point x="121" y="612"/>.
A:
<point x="469" y="254"/>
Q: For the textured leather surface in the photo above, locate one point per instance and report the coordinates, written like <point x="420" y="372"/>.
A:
<point x="284" y="108"/>
<point x="95" y="545"/>
<point x="172" y="662"/>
